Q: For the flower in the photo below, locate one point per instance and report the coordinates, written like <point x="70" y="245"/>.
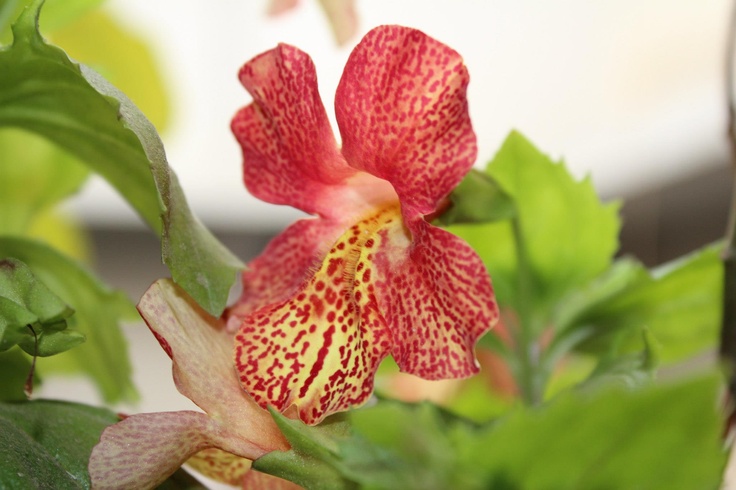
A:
<point x="143" y="450"/>
<point x="340" y="14"/>
<point x="368" y="276"/>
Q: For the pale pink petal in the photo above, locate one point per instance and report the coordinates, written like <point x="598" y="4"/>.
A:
<point x="320" y="349"/>
<point x="342" y="18"/>
<point x="403" y="115"/>
<point x="277" y="7"/>
<point x="201" y="351"/>
<point x="437" y="299"/>
<point x="290" y="155"/>
<point x="143" y="450"/>
<point x="284" y="266"/>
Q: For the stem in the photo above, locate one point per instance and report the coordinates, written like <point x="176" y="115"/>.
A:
<point x="28" y="388"/>
<point x="528" y="376"/>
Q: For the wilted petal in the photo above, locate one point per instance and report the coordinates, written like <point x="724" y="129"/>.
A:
<point x="290" y="153"/>
<point x="320" y="349"/>
<point x="436" y="297"/>
<point x="201" y="351"/>
<point x="342" y="18"/>
<point x="220" y="465"/>
<point x="276" y="7"/>
<point x="403" y="115"/>
<point x="143" y="450"/>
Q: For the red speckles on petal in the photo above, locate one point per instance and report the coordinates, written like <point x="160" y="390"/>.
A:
<point x="331" y="326"/>
<point x="437" y="299"/>
<point x="403" y="115"/>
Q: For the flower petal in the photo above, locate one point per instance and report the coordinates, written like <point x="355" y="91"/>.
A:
<point x="403" y="115"/>
<point x="284" y="266"/>
<point x="342" y="18"/>
<point x="290" y="155"/>
<point x="200" y="349"/>
<point x="143" y="450"/>
<point x="320" y="349"/>
<point x="220" y="465"/>
<point x="437" y="299"/>
<point x="262" y="481"/>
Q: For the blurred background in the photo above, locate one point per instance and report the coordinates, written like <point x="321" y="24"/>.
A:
<point x="628" y="93"/>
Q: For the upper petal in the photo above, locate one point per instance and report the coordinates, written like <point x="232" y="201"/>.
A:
<point x="290" y="155"/>
<point x="403" y="115"/>
<point x="201" y="351"/>
<point x="437" y="299"/>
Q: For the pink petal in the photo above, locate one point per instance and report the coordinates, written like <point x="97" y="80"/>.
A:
<point x="342" y="18"/>
<point x="290" y="155"/>
<point x="262" y="481"/>
<point x="284" y="266"/>
<point x="437" y="299"/>
<point x="143" y="450"/>
<point x="320" y="349"/>
<point x="403" y="115"/>
<point x="277" y="7"/>
<point x="201" y="352"/>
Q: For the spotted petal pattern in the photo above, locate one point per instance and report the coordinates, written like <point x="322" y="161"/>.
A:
<point x="403" y="115"/>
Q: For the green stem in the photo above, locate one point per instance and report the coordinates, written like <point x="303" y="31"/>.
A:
<point x="529" y="377"/>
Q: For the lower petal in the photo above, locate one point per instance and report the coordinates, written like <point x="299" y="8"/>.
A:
<point x="284" y="265"/>
<point x="437" y="299"/>
<point x="319" y="349"/>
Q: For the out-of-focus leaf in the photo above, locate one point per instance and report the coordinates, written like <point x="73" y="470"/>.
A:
<point x="99" y="41"/>
<point x="56" y="14"/>
<point x="679" y="303"/>
<point x="104" y="357"/>
<point x="567" y="235"/>
<point x="46" y="444"/>
<point x="15" y="368"/>
<point x="31" y="316"/>
<point x="598" y="438"/>
<point x="478" y="199"/>
<point x="628" y="370"/>
<point x="44" y="92"/>
<point x="34" y="175"/>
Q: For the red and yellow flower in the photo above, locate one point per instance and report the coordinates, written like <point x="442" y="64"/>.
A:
<point x="368" y="275"/>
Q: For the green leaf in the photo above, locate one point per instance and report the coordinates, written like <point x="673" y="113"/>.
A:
<point x="46" y="444"/>
<point x="31" y="316"/>
<point x="567" y="235"/>
<point x="181" y="480"/>
<point x="98" y="311"/>
<point x="56" y="13"/>
<point x="607" y="439"/>
<point x="478" y="199"/>
<point x="679" y="304"/>
<point x="597" y="438"/>
<point x="34" y="175"/>
<point x="15" y="368"/>
<point x="44" y="92"/>
<point x="312" y="459"/>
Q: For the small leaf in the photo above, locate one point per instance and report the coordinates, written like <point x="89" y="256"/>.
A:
<point x="567" y="235"/>
<point x="31" y="316"/>
<point x="478" y="199"/>
<point x="44" y="92"/>
<point x="46" y="444"/>
<point x="98" y="311"/>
